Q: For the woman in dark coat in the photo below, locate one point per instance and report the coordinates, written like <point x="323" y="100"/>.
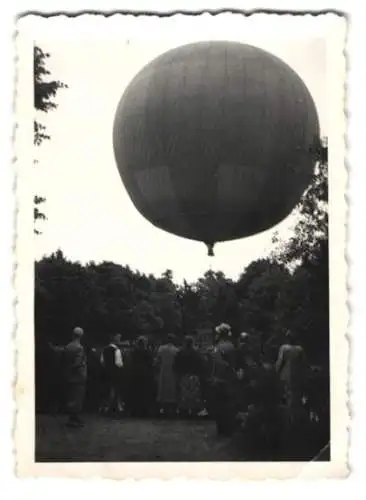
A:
<point x="248" y="369"/>
<point x="141" y="382"/>
<point x="188" y="367"/>
<point x="222" y="401"/>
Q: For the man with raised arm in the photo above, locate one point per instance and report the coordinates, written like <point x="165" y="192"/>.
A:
<point x="75" y="375"/>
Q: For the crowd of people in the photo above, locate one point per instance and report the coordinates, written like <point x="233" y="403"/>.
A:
<point x="221" y="381"/>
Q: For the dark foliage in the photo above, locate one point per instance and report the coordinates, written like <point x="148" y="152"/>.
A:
<point x="304" y="302"/>
<point x="45" y="91"/>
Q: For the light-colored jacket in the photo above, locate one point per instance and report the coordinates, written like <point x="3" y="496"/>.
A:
<point x="74" y="361"/>
<point x="291" y="364"/>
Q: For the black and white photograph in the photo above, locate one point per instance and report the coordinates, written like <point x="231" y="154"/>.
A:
<point x="184" y="269"/>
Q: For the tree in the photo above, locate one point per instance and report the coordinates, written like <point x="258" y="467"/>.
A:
<point x="258" y="290"/>
<point x="45" y="91"/>
<point x="311" y="230"/>
<point x="218" y="299"/>
<point x="305" y="301"/>
<point x="190" y="303"/>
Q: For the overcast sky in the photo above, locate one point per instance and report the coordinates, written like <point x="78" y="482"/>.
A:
<point x="90" y="216"/>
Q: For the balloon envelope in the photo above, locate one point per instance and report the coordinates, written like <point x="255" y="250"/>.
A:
<point x="215" y="141"/>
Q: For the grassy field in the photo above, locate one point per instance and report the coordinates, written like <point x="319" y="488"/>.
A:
<point x="127" y="440"/>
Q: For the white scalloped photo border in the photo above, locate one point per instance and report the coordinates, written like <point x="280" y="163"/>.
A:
<point x="180" y="28"/>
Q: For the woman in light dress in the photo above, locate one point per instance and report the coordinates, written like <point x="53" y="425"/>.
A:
<point x="167" y="381"/>
<point x="189" y="370"/>
<point x="292" y="367"/>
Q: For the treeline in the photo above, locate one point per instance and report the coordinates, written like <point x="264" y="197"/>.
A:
<point x="107" y="298"/>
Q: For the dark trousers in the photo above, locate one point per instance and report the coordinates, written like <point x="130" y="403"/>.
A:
<point x="222" y="406"/>
<point x="75" y="393"/>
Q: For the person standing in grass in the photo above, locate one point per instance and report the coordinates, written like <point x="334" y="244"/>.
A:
<point x="223" y="379"/>
<point x="140" y="379"/>
<point x="112" y="361"/>
<point x="246" y="367"/>
<point x="188" y="367"/>
<point x="74" y="362"/>
<point x="292" y="368"/>
<point x="167" y="382"/>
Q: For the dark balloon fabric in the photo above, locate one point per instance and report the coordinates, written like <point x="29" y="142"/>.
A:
<point x="214" y="141"/>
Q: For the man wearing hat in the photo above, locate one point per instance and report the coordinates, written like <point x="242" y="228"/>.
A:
<point x="75" y="371"/>
<point x="246" y="356"/>
<point x="246" y="369"/>
<point x="112" y="361"/>
<point x="222" y="398"/>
